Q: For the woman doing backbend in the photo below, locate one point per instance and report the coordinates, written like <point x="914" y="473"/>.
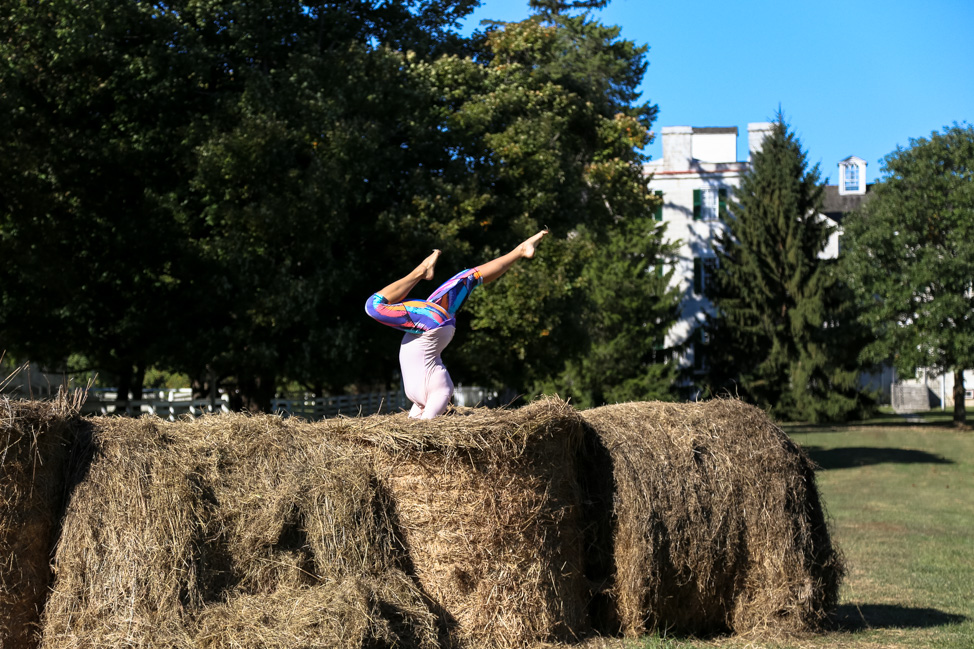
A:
<point x="430" y="324"/>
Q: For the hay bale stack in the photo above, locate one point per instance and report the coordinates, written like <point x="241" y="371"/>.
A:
<point x="481" y="528"/>
<point x="487" y="506"/>
<point x="34" y="447"/>
<point x="228" y="531"/>
<point x="717" y="522"/>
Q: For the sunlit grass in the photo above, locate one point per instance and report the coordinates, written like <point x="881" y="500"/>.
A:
<point x="902" y="503"/>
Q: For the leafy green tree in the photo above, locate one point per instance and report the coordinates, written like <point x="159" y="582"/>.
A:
<point x="89" y="112"/>
<point x="910" y="258"/>
<point x="559" y="130"/>
<point x="200" y="184"/>
<point x="779" y="313"/>
<point x="213" y="187"/>
<point x="547" y="7"/>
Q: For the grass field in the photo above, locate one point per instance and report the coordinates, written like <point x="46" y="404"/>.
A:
<point x="900" y="493"/>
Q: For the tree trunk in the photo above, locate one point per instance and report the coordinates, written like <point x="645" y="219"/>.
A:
<point x="199" y="387"/>
<point x="960" y="406"/>
<point x="205" y="385"/>
<point x="138" y="382"/>
<point x="256" y="393"/>
<point x="124" y="383"/>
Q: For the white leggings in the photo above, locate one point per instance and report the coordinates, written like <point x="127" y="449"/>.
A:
<point x="424" y="377"/>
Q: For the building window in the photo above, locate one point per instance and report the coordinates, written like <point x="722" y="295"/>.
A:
<point x="703" y="273"/>
<point x="658" y="213"/>
<point x="850" y="178"/>
<point x="709" y="204"/>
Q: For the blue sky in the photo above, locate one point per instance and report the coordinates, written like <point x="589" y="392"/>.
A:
<point x="859" y="77"/>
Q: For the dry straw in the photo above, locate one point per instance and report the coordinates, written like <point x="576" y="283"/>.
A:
<point x="487" y="505"/>
<point x="235" y="531"/>
<point x="483" y="528"/>
<point x="34" y="441"/>
<point x="717" y="524"/>
<point x="228" y="531"/>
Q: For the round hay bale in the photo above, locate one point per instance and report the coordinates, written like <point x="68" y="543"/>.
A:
<point x="35" y="438"/>
<point x="177" y="533"/>
<point x="486" y="505"/>
<point x="717" y="524"/>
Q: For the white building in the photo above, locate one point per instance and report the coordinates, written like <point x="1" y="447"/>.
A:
<point x="698" y="172"/>
<point x="847" y="196"/>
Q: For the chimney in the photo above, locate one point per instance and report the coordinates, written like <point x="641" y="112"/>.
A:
<point x="756" y="132"/>
<point x="677" y="145"/>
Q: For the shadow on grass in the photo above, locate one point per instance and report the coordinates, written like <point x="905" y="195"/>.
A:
<point x="859" y="617"/>
<point x="856" y="456"/>
<point x="931" y="420"/>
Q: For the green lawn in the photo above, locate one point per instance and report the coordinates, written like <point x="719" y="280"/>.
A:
<point x="900" y="494"/>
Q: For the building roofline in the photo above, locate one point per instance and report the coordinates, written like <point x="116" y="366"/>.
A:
<point x="725" y="167"/>
<point x="714" y="130"/>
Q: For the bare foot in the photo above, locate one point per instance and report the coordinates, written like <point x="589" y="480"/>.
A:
<point x="528" y="247"/>
<point x="429" y="264"/>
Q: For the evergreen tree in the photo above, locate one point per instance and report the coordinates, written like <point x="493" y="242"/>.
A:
<point x="632" y="303"/>
<point x="780" y="316"/>
<point x="910" y="258"/>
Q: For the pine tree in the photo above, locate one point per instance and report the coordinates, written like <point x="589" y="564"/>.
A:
<point x="780" y="326"/>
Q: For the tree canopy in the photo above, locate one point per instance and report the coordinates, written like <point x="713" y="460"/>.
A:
<point x="910" y="258"/>
<point x="215" y="187"/>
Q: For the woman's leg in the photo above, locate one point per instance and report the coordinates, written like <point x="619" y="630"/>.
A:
<point x="390" y="307"/>
<point x="398" y="290"/>
<point x="497" y="267"/>
<point x="454" y="291"/>
<point x="439" y="392"/>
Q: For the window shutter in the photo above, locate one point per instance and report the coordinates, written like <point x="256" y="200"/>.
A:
<point x="722" y="203"/>
<point x="659" y="208"/>
<point x="697" y="276"/>
<point x="697" y="204"/>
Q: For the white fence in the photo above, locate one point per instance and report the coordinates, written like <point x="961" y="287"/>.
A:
<point x="176" y="406"/>
<point x="350" y="405"/>
<point x="173" y="404"/>
<point x="167" y="408"/>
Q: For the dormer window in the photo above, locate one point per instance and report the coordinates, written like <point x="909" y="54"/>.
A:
<point x="850" y="180"/>
<point x="852" y="176"/>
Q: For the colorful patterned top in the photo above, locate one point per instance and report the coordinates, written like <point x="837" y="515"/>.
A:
<point x="418" y="316"/>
